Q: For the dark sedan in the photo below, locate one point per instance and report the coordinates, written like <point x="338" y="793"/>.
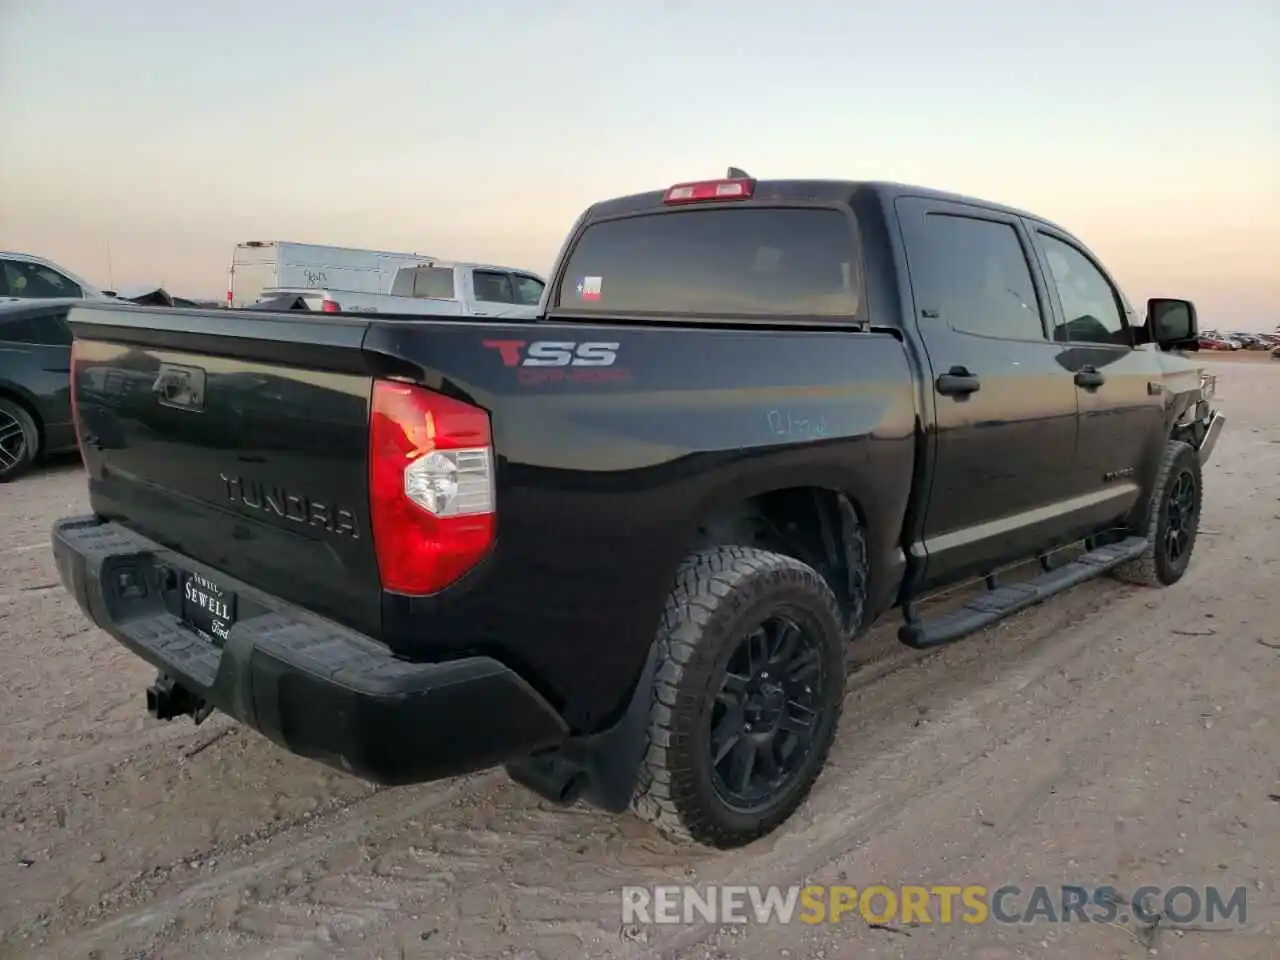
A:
<point x="35" y="383"/>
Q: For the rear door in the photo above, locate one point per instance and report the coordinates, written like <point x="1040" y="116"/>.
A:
<point x="1005" y="439"/>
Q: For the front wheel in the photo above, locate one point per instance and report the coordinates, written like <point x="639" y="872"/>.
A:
<point x="749" y="690"/>
<point x="1170" y="521"/>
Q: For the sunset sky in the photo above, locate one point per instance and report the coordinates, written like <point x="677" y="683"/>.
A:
<point x="166" y="132"/>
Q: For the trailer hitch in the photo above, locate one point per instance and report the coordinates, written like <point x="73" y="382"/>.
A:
<point x="167" y="700"/>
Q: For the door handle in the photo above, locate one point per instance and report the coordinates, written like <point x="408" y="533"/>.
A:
<point x="957" y="382"/>
<point x="1089" y="378"/>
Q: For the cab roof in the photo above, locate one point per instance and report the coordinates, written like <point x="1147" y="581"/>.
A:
<point x="810" y="191"/>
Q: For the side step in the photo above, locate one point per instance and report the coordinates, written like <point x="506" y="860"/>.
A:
<point x="1000" y="602"/>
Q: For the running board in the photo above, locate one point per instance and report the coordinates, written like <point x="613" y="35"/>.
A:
<point x="1000" y="602"/>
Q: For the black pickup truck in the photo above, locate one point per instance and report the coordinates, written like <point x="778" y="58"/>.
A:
<point x="620" y="548"/>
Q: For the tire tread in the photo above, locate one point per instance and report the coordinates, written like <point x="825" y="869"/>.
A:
<point x="704" y="582"/>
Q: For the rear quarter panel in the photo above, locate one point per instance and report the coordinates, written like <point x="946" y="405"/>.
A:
<point x="605" y="471"/>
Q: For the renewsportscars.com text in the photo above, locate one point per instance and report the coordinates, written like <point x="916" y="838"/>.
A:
<point x="921" y="904"/>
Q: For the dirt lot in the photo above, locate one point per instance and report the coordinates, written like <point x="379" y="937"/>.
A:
<point x="1114" y="736"/>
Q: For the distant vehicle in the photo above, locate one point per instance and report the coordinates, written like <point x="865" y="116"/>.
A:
<point x="433" y="289"/>
<point x="258" y="265"/>
<point x="1213" y="340"/>
<point x="35" y="382"/>
<point x="24" y="276"/>
<point x="1213" y="343"/>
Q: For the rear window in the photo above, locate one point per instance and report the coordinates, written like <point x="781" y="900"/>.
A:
<point x="735" y="262"/>
<point x="430" y="283"/>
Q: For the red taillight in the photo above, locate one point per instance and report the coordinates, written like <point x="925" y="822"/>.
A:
<point x="431" y="490"/>
<point x="75" y="405"/>
<point x="330" y="306"/>
<point x="735" y="189"/>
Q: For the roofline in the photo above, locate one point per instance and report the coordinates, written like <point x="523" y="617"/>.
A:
<point x="886" y="189"/>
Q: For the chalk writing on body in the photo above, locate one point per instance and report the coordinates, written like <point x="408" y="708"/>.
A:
<point x="789" y="424"/>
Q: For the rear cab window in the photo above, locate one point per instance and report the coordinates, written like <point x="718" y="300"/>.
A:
<point x="741" y="261"/>
<point x="424" y="283"/>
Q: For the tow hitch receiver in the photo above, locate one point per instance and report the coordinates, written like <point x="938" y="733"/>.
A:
<point x="168" y="700"/>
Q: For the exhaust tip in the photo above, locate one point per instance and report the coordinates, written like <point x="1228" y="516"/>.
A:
<point x="572" y="789"/>
<point x="550" y="777"/>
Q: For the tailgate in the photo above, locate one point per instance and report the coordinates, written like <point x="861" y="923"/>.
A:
<point x="237" y="439"/>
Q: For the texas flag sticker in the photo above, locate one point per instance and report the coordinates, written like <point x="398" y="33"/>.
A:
<point x="589" y="288"/>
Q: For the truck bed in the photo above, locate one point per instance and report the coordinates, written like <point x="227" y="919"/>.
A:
<point x="240" y="439"/>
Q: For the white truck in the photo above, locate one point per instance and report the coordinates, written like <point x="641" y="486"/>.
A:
<point x="435" y="289"/>
<point x="260" y="265"/>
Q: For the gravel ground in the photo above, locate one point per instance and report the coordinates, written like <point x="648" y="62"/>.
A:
<point x="1115" y="735"/>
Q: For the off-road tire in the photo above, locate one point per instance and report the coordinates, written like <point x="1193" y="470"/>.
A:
<point x="721" y="594"/>
<point x="14" y="415"/>
<point x="1154" y="568"/>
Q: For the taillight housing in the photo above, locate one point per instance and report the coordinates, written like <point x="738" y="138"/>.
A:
<point x="737" y="188"/>
<point x="75" y="404"/>
<point x="330" y="306"/>
<point x="431" y="487"/>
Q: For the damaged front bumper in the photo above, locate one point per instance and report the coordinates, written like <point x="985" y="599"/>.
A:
<point x="1208" y="422"/>
<point x="1212" y="429"/>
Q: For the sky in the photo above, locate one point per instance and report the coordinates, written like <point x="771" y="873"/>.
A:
<point x="140" y="140"/>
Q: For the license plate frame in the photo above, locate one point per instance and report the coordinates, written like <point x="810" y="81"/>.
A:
<point x="207" y="607"/>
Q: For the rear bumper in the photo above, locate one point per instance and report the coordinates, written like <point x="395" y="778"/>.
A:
<point x="312" y="686"/>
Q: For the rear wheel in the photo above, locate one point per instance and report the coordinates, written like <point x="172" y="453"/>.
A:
<point x="748" y="696"/>
<point x="1170" y="521"/>
<point x="19" y="440"/>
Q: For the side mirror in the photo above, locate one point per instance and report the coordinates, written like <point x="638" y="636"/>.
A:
<point x="1172" y="323"/>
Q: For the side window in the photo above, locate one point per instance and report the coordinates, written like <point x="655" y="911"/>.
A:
<point x="492" y="286"/>
<point x="46" y="330"/>
<point x="528" y="291"/>
<point x="979" y="278"/>
<point x="1090" y="306"/>
<point x="36" y="282"/>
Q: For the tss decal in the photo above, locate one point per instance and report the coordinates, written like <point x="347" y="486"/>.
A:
<point x="555" y="361"/>
<point x="552" y="353"/>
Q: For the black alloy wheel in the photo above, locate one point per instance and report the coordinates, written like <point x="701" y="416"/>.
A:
<point x="1181" y="513"/>
<point x="762" y="726"/>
